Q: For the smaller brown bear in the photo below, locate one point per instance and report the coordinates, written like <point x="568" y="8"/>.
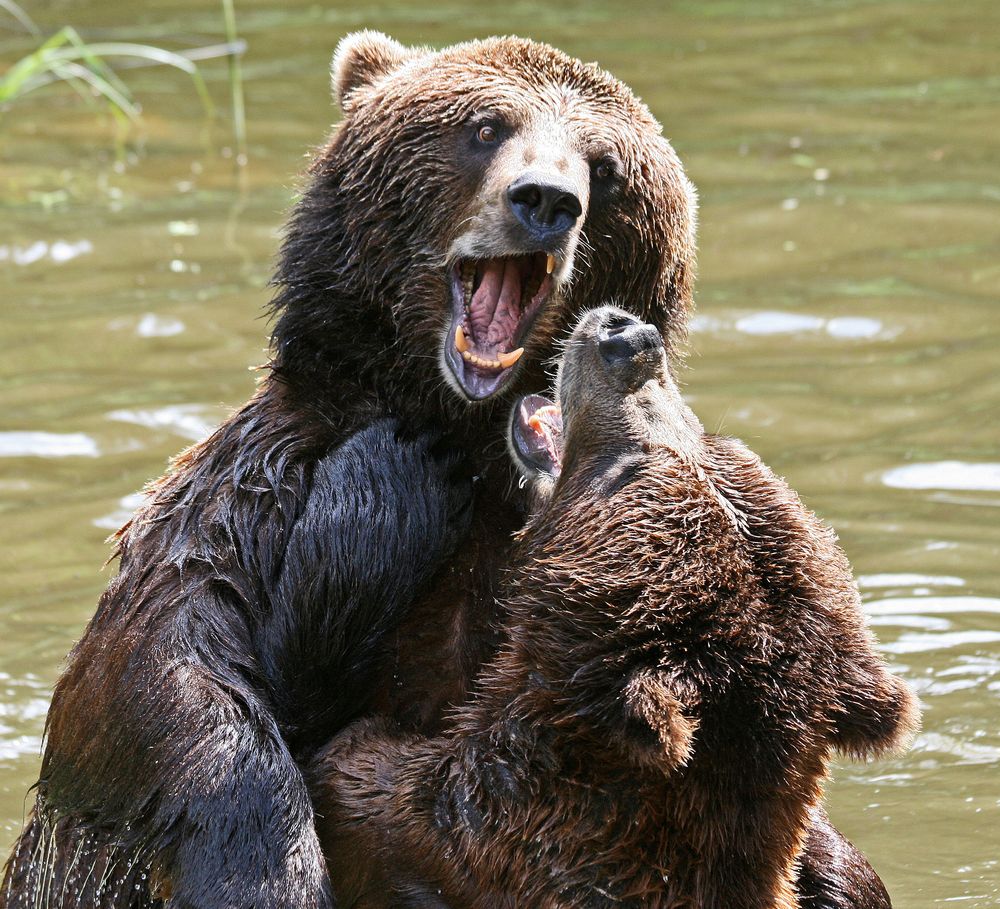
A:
<point x="684" y="650"/>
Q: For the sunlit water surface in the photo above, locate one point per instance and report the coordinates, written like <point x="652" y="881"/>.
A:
<point x="848" y="328"/>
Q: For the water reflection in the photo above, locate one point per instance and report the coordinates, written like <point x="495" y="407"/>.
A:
<point x="154" y="326"/>
<point x="57" y="251"/>
<point x="957" y="475"/>
<point x="908" y="580"/>
<point x="33" y="444"/>
<point x="116" y="519"/>
<point x="786" y="323"/>
<point x="24" y="704"/>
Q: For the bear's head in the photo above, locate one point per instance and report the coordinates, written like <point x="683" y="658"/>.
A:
<point x="617" y="403"/>
<point x="471" y="202"/>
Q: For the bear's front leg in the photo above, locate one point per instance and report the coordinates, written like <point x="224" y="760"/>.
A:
<point x="384" y="513"/>
<point x="168" y="758"/>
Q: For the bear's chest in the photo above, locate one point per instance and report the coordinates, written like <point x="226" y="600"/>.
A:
<point x="429" y="663"/>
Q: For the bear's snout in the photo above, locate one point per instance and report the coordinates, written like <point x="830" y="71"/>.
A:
<point x="547" y="209"/>
<point x="624" y="338"/>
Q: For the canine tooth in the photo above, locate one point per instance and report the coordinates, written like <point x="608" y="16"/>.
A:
<point x="460" y="342"/>
<point x="509" y="359"/>
<point x="550" y="264"/>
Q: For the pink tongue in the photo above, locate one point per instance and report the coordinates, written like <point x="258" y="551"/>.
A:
<point x="508" y="308"/>
<point x="495" y="304"/>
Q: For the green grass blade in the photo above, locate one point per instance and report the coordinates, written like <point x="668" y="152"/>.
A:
<point x="94" y="54"/>
<point x="66" y="47"/>
<point x="236" y="85"/>
<point x="36" y="62"/>
<point x="80" y="78"/>
<point x="18" y="13"/>
<point x="105" y="89"/>
<point x="93" y="60"/>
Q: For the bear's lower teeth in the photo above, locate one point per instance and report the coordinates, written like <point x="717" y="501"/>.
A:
<point x="503" y="361"/>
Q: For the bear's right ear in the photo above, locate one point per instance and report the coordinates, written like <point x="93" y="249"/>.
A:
<point x="875" y="713"/>
<point x="657" y="731"/>
<point x="361" y="58"/>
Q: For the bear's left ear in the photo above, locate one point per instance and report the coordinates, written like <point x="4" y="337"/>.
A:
<point x="361" y="58"/>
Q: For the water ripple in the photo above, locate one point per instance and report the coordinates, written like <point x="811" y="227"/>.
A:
<point x="932" y="605"/>
<point x="187" y="420"/>
<point x="909" y="580"/>
<point x="127" y="506"/>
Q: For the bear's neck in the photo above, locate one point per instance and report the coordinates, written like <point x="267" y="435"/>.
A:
<point x="544" y="702"/>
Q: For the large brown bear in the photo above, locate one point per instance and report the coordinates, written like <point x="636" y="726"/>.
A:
<point x="468" y="204"/>
<point x="684" y="647"/>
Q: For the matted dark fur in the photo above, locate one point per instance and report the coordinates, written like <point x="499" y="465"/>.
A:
<point x="683" y="649"/>
<point x="257" y="587"/>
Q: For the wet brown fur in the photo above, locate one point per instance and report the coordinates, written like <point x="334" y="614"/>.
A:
<point x="683" y="650"/>
<point x="224" y="652"/>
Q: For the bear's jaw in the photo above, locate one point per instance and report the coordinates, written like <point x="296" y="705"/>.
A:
<point x="536" y="436"/>
<point x="494" y="305"/>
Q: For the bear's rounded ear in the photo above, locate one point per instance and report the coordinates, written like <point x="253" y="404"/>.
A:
<point x="361" y="58"/>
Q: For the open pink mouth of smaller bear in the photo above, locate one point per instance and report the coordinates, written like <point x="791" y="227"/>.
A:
<point x="494" y="303"/>
<point x="537" y="434"/>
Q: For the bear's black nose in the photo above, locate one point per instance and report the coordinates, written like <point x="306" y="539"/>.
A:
<point x="547" y="209"/>
<point x="625" y="337"/>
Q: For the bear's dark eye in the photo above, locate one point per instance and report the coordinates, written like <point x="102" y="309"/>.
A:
<point x="603" y="169"/>
<point x="487" y="135"/>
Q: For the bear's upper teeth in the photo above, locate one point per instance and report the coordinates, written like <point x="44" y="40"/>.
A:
<point x="550" y="264"/>
<point x="506" y="360"/>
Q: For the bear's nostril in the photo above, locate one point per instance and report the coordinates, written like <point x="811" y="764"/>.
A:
<point x="619" y="343"/>
<point x="527" y="195"/>
<point x="618" y="323"/>
<point x="567" y="204"/>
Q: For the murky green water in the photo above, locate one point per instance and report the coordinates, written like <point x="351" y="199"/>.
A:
<point x="848" y="327"/>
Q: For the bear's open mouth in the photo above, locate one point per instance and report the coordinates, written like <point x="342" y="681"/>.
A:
<point x="537" y="434"/>
<point x="494" y="303"/>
